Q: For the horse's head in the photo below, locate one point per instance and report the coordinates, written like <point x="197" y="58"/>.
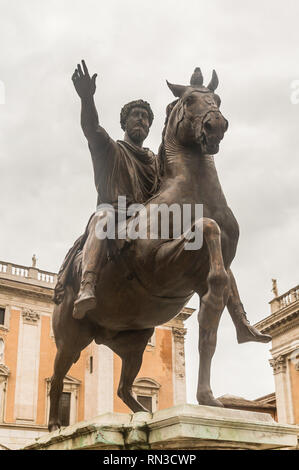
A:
<point x="196" y="120"/>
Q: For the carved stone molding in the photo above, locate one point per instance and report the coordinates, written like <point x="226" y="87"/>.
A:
<point x="148" y="387"/>
<point x="279" y="364"/>
<point x="279" y="323"/>
<point x="4" y="372"/>
<point x="179" y="334"/>
<point x="30" y="316"/>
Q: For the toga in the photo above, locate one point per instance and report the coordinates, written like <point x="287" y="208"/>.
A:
<point x="120" y="169"/>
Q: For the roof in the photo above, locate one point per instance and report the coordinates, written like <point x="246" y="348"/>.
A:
<point x="231" y="401"/>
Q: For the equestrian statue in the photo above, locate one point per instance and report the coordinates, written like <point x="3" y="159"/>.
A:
<point x="116" y="290"/>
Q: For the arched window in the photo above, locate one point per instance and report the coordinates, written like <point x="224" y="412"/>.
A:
<point x="146" y="391"/>
<point x="68" y="404"/>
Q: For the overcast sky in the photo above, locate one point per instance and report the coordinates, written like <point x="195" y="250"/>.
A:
<point x="47" y="189"/>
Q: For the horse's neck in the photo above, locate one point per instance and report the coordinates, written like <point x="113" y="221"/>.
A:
<point x="192" y="178"/>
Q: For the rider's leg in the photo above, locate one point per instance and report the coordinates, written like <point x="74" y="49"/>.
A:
<point x="93" y="259"/>
<point x="245" y="331"/>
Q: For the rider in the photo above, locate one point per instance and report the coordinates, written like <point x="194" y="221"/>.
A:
<point x="121" y="168"/>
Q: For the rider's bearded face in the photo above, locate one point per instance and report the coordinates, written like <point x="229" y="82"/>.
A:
<point x="137" y="125"/>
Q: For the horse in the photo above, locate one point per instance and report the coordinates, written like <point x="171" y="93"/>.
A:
<point x="152" y="279"/>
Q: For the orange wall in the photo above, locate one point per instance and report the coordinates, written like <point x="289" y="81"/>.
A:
<point x="10" y="353"/>
<point x="47" y="356"/>
<point x="157" y="365"/>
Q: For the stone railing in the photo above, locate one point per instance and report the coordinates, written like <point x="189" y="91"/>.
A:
<point x="285" y="299"/>
<point x="11" y="270"/>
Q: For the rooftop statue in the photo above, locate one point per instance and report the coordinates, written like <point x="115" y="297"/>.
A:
<point x="116" y="290"/>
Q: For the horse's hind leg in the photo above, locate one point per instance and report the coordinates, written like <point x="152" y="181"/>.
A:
<point x="211" y="307"/>
<point x="130" y="345"/>
<point x="63" y="361"/>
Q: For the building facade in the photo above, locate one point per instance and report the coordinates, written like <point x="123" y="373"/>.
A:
<point x="283" y="325"/>
<point x="27" y="352"/>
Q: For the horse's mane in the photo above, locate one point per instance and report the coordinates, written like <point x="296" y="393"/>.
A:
<point x="161" y="151"/>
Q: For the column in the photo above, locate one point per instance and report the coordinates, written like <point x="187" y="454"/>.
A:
<point x="27" y="367"/>
<point x="282" y="392"/>
<point x="179" y="373"/>
<point x="4" y="373"/>
<point x="99" y="384"/>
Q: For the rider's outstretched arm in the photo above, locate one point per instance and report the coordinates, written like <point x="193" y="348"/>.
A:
<point x="89" y="117"/>
<point x="86" y="87"/>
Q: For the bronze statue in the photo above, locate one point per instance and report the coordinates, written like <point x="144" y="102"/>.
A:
<point x="147" y="281"/>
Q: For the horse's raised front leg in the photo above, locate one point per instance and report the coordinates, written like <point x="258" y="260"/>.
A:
<point x="130" y="345"/>
<point x="211" y="307"/>
<point x="245" y="331"/>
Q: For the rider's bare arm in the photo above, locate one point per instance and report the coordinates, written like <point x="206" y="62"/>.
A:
<point x="85" y="86"/>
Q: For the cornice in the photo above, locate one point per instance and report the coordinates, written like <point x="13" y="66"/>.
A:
<point x="279" y="322"/>
<point x="30" y="290"/>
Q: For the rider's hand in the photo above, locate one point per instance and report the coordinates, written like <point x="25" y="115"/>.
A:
<point x="85" y="86"/>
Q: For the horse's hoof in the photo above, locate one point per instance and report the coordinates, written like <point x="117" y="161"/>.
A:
<point x="53" y="427"/>
<point x="207" y="399"/>
<point x="250" y="333"/>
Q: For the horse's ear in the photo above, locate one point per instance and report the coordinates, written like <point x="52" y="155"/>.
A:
<point x="214" y="82"/>
<point x="177" y="90"/>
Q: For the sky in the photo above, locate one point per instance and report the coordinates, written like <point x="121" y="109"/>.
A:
<point x="47" y="188"/>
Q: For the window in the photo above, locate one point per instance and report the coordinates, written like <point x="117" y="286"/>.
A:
<point x="68" y="404"/>
<point x="2" y="315"/>
<point x="147" y="402"/>
<point x="91" y="364"/>
<point x="146" y="391"/>
<point x="64" y="408"/>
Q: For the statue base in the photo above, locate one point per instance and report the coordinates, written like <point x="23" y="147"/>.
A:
<point x="187" y="427"/>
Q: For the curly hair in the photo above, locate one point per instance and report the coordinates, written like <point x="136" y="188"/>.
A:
<point x="127" y="108"/>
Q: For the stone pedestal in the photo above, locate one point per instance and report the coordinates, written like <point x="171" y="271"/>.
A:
<point x="187" y="427"/>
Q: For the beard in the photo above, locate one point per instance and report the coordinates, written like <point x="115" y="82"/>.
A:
<point x="138" y="134"/>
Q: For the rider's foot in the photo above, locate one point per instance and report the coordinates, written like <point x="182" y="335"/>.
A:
<point x="86" y="299"/>
<point x="247" y="332"/>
